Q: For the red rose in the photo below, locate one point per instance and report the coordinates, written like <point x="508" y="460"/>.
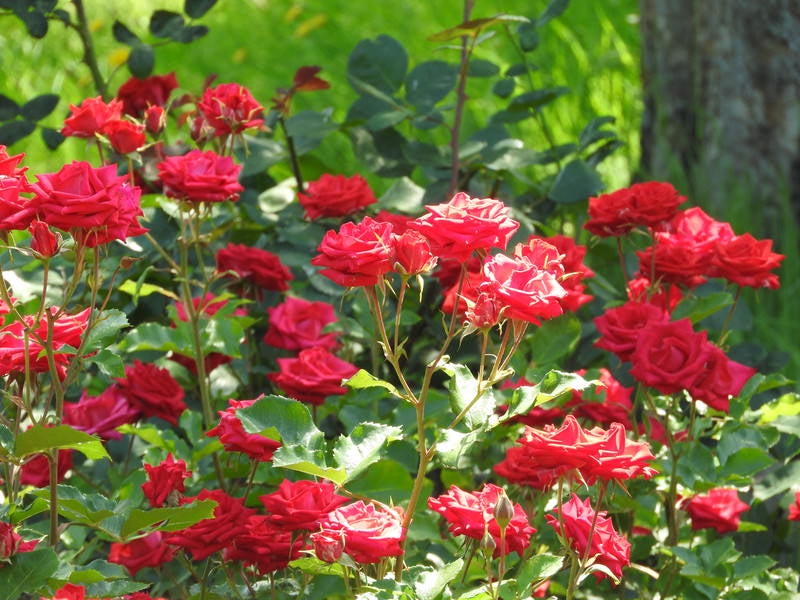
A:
<point x="412" y="253"/>
<point x="301" y="505"/>
<point x="137" y="95"/>
<point x="36" y="471"/>
<point x="720" y="379"/>
<point x="153" y="391"/>
<point x="155" y="119"/>
<point x="264" y="545"/>
<point x="43" y="241"/>
<point x="575" y="271"/>
<point x="208" y="536"/>
<point x="16" y="212"/>
<point x="358" y="254"/>
<point x="235" y="439"/>
<point x="647" y="204"/>
<point x="264" y="269"/>
<point x="458" y="228"/>
<point x="95" y="205"/>
<point x="370" y="533"/>
<point x="746" y="261"/>
<point x="295" y="324"/>
<point x="669" y="355"/>
<point x="124" y="136"/>
<point x="609" y="402"/>
<point x="719" y="509"/>
<point x="67" y="331"/>
<point x="484" y="312"/>
<point x="399" y="222"/>
<point x="463" y="293"/>
<point x="328" y="545"/>
<point x="200" y="177"/>
<point x="9" y="542"/>
<point x="165" y="482"/>
<point x="695" y="225"/>
<point x="621" y="326"/>
<point x="101" y="415"/>
<point x="147" y="551"/>
<point x="592" y="535"/>
<point x="69" y="591"/>
<point x="88" y="118"/>
<point x="230" y="108"/>
<point x="335" y="196"/>
<point x="313" y="375"/>
<point x="674" y="259"/>
<point x="473" y="514"/>
<point x="666" y="297"/>
<point x="794" y="508"/>
<point x="619" y="457"/>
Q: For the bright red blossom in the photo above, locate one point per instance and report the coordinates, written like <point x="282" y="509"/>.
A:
<point x="101" y="415"/>
<point x="746" y="261"/>
<point x="313" y="375"/>
<point x="301" y="505"/>
<point x="295" y="324"/>
<point x="137" y="95"/>
<point x="264" y="545"/>
<point x="229" y="108"/>
<point x="370" y="533"/>
<point x="165" y="482"/>
<point x="794" y="508"/>
<point x="335" y="196"/>
<point x="620" y="327"/>
<point x="147" y="551"/>
<point x="199" y="176"/>
<point x="153" y="391"/>
<point x="124" y="136"/>
<point x="235" y="439"/>
<point x="718" y="509"/>
<point x="648" y="204"/>
<point x="90" y="116"/>
<point x="264" y="269"/>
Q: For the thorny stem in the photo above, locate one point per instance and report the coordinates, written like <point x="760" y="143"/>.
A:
<point x="461" y="99"/>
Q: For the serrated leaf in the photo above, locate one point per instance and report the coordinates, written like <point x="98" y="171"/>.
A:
<point x="8" y="108"/>
<point x="27" y="573"/>
<point x="555" y="339"/>
<point x="553" y="385"/>
<point x="14" y="131"/>
<point x="154" y="336"/>
<point x="363" y="447"/>
<point x="697" y="308"/>
<point x="106" y="329"/>
<point x="363" y="379"/>
<point x="6" y="440"/>
<point x="536" y="569"/>
<point x="141" y="60"/>
<point x="39" y="107"/>
<point x="140" y="290"/>
<point x="197" y="8"/>
<point x="385" y="481"/>
<point x="89" y="508"/>
<point x="454" y="447"/>
<point x="124" y="35"/>
<point x="429" y="582"/>
<point x="97" y="570"/>
<point x="464" y="396"/>
<point x="746" y="462"/>
<point x="577" y="181"/>
<point x="167" y="518"/>
<point x="40" y="439"/>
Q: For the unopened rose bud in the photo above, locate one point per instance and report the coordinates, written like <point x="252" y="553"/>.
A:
<point x="9" y="541"/>
<point x="328" y="545"/>
<point x="154" y="120"/>
<point x="413" y="253"/>
<point x="44" y="242"/>
<point x="488" y="545"/>
<point x="503" y="510"/>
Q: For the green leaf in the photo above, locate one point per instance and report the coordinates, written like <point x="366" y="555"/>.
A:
<point x="553" y="10"/>
<point x="363" y="447"/>
<point x="197" y="8"/>
<point x="430" y="582"/>
<point x="386" y="481"/>
<point x="473" y="27"/>
<point x="27" y="573"/>
<point x="114" y="589"/>
<point x="535" y="99"/>
<point x="140" y="289"/>
<point x="536" y="569"/>
<point x="79" y="507"/>
<point x="454" y="447"/>
<point x="35" y="22"/>
<point x="124" y="35"/>
<point x="555" y="339"/>
<point x="503" y="88"/>
<point x="363" y="379"/>
<point x="106" y="329"/>
<point x="381" y="63"/>
<point x="429" y="82"/>
<point x="463" y="393"/>
<point x="261" y="154"/>
<point x="168" y="518"/>
<point x="109" y="362"/>
<point x="39" y="439"/>
<point x="752" y="566"/>
<point x="52" y="137"/>
<point x="8" y="108"/>
<point x="575" y="182"/>
<point x="528" y="37"/>
<point x="97" y="570"/>
<point x="553" y="385"/>
<point x="165" y="23"/>
<point x="479" y="67"/>
<point x="14" y="131"/>
<point x="698" y="308"/>
<point x="746" y="462"/>
<point x="39" y="107"/>
<point x="403" y="195"/>
<point x="6" y="441"/>
<point x="141" y="60"/>
<point x="386" y="119"/>
<point x="154" y="336"/>
<point x="189" y="33"/>
<point x="308" y="128"/>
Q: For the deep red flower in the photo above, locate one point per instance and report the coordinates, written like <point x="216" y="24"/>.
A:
<point x="36" y="470"/>
<point x="153" y="391"/>
<point x="720" y="379"/>
<point x="412" y="253"/>
<point x="648" y="204"/>
<point x="69" y="591"/>
<point x="16" y="212"/>
<point x="199" y="176"/>
<point x="44" y="242"/>
<point x="11" y="543"/>
<point x="335" y="196"/>
<point x="313" y="375"/>
<point x="296" y="324"/>
<point x="591" y="535"/>
<point x="718" y="509"/>
<point x="358" y="254"/>
<point x="472" y="514"/>
<point x="165" y="482"/>
<point x="301" y="505"/>
<point x="794" y="508"/>
<point x="370" y="532"/>
<point x="621" y="326"/>
<point x="665" y="296"/>
<point x="137" y="94"/>
<point x="229" y="108"/>
<point x="89" y="117"/>
<point x="264" y="545"/>
<point x="234" y="438"/>
<point x="606" y="403"/>
<point x="147" y="551"/>
<point x="264" y="269"/>
<point x="464" y="225"/>
<point x="124" y="136"/>
<point x="101" y="415"/>
<point x="748" y="262"/>
<point x="674" y="259"/>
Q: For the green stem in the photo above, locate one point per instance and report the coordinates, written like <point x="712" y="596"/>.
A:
<point x="293" y="158"/>
<point x="89" y="55"/>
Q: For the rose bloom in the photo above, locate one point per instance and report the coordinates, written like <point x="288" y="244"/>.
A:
<point x="746" y="261"/>
<point x="669" y="355"/>
<point x="200" y="177"/>
<point x="472" y="514"/>
<point x="36" y="470"/>
<point x="720" y="379"/>
<point x="621" y="326"/>
<point x="66" y="336"/>
<point x="69" y="591"/>
<point x="208" y="536"/>
<point x="696" y="225"/>
<point x="592" y="535"/>
<point x="412" y="254"/>
<point x="165" y="482"/>
<point x="235" y="439"/>
<point x="301" y="505"/>
<point x="101" y="415"/>
<point x="264" y="545"/>
<point x="464" y="225"/>
<point x="264" y="269"/>
<point x="296" y="324"/>
<point x="44" y="242"/>
<point x="313" y="375"/>
<point x="794" y="508"/>
<point x="11" y="543"/>
<point x="89" y="117"/>
<point x="141" y="596"/>
<point x="124" y="136"/>
<point x="370" y="532"/>
<point x="618" y="212"/>
<point x="95" y="205"/>
<point x="575" y="271"/>
<point x="229" y="108"/>
<point x="328" y="545"/>
<point x="609" y="402"/>
<point x="335" y="196"/>
<point x="718" y="509"/>
<point x="666" y="297"/>
<point x="358" y="254"/>
<point x="16" y="212"/>
<point x="399" y="222"/>
<point x="137" y="95"/>
<point x="153" y="391"/>
<point x="147" y="551"/>
<point x="674" y="259"/>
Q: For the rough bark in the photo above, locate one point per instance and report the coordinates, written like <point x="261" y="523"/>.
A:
<point x="722" y="99"/>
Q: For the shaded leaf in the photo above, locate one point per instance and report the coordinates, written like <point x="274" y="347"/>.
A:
<point x="35" y="22"/>
<point x="381" y="63"/>
<point x="197" y="8"/>
<point x="27" y="573"/>
<point x="575" y="182"/>
<point x="14" y="131"/>
<point x="106" y="329"/>
<point x="555" y="338"/>
<point x="165" y="23"/>
<point x="141" y="60"/>
<point x="167" y="518"/>
<point x="503" y="88"/>
<point x="554" y="9"/>
<point x="8" y="108"/>
<point x="124" y="35"/>
<point x="189" y="33"/>
<point x="479" y="67"/>
<point x="536" y="569"/>
<point x="536" y="99"/>
<point x="39" y="107"/>
<point x="429" y="82"/>
<point x="385" y="481"/>
<point x="52" y="137"/>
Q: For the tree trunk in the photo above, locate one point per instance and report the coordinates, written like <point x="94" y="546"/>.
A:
<point x="721" y="84"/>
